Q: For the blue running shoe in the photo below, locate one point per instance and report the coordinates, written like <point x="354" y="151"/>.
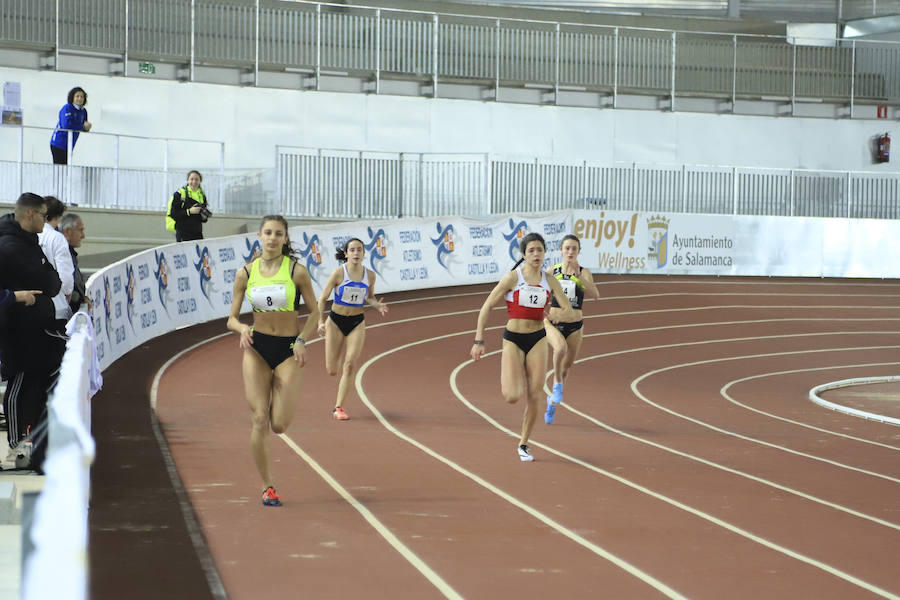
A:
<point x="557" y="392"/>
<point x="551" y="411"/>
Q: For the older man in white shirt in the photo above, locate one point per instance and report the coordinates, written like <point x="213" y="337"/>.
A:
<point x="56" y="249"/>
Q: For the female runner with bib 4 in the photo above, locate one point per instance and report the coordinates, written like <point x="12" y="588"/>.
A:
<point x="565" y="335"/>
<point x="274" y="352"/>
<point x="344" y="328"/>
<point x="527" y="290"/>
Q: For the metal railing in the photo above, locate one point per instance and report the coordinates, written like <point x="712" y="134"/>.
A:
<point x="320" y="39"/>
<point x="817" y="11"/>
<point x="108" y="170"/>
<point x="353" y="184"/>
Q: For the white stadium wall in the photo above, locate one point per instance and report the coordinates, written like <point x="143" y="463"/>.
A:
<point x="252" y="121"/>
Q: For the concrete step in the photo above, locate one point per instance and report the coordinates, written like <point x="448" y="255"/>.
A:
<point x="9" y="514"/>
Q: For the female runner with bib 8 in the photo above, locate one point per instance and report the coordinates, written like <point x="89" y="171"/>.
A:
<point x="274" y="348"/>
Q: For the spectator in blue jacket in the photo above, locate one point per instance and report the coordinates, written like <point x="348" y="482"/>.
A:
<point x="72" y="116"/>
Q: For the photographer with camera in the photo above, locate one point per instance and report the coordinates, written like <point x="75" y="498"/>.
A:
<point x="188" y="210"/>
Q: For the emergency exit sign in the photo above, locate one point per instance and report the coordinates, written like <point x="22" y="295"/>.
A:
<point x="147" y="67"/>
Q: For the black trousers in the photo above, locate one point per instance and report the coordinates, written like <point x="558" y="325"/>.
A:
<point x="60" y="155"/>
<point x="187" y="236"/>
<point x="25" y="400"/>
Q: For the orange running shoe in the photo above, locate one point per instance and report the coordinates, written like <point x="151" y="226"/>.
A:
<point x="270" y="498"/>
<point x="339" y="414"/>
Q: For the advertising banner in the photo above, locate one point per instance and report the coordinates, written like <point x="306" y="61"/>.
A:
<point x="156" y="291"/>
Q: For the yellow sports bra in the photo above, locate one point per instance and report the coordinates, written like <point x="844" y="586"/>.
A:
<point x="268" y="294"/>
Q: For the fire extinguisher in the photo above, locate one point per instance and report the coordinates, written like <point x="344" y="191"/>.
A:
<point x="884" y="148"/>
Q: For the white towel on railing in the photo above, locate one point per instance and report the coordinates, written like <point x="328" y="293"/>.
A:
<point x="96" y="375"/>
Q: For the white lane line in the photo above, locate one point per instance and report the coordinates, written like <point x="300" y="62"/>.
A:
<point x="599" y="551"/>
<point x="680" y="505"/>
<point x="196" y="531"/>
<point x="727" y="396"/>
<point x="733" y="471"/>
<point x="746" y="294"/>
<point x="636" y="382"/>
<point x="442" y="586"/>
<point x="833" y="385"/>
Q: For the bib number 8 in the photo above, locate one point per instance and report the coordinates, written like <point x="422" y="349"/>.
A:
<point x="273" y="297"/>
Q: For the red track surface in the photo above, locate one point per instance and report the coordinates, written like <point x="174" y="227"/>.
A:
<point x="686" y="460"/>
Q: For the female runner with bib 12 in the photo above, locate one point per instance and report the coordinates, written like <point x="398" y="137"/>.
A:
<point x="344" y="327"/>
<point x="523" y="363"/>
<point x="274" y="351"/>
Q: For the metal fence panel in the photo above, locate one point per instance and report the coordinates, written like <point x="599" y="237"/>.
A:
<point x="527" y="54"/>
<point x="820" y="195"/>
<point x="468" y="50"/>
<point x="287" y="36"/>
<point x="29" y="22"/>
<point x="645" y="60"/>
<point x="348" y="41"/>
<point x="704" y="64"/>
<point x="876" y="72"/>
<point x="226" y="34"/>
<point x="824" y="72"/>
<point x="407" y="45"/>
<point x="658" y="188"/>
<point x="874" y="197"/>
<point x="587" y="57"/>
<point x="159" y="29"/>
<point x="763" y="193"/>
<point x="764" y="68"/>
<point x="98" y="25"/>
<point x="708" y="190"/>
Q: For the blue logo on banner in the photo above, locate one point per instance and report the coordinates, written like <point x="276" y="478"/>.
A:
<point x="517" y="232"/>
<point x="313" y="255"/>
<point x="254" y="249"/>
<point x="204" y="269"/>
<point x="107" y="304"/>
<point x="377" y="248"/>
<point x="444" y="243"/>
<point x="129" y="293"/>
<point x="162" y="278"/>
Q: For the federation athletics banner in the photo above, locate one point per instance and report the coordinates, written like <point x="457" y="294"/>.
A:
<point x="159" y="290"/>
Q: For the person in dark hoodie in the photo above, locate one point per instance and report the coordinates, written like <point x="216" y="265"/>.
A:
<point x="29" y="355"/>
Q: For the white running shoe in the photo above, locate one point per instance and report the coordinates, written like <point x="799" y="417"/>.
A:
<point x="525" y="454"/>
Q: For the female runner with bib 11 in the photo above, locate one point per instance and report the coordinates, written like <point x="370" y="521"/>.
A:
<point x="274" y="352"/>
<point x="344" y="328"/>
<point x="527" y="290"/>
<point x="565" y="336"/>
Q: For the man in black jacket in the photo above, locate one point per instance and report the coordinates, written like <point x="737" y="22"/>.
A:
<point x="29" y="356"/>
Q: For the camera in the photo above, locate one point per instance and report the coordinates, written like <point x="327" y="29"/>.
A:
<point x="205" y="213"/>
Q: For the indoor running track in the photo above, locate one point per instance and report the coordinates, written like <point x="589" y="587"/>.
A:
<point x="686" y="461"/>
